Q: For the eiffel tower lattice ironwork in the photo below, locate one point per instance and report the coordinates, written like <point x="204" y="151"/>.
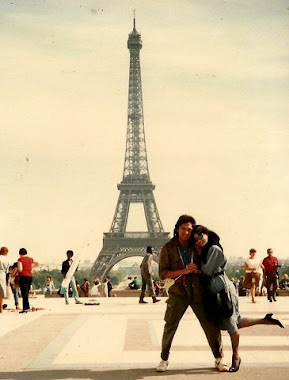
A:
<point x="136" y="186"/>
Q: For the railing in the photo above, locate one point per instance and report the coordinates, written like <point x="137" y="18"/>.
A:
<point x="136" y="235"/>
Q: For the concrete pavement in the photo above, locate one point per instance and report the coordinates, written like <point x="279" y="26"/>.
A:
<point x="121" y="339"/>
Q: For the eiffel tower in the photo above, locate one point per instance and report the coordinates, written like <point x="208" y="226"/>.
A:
<point x="136" y="186"/>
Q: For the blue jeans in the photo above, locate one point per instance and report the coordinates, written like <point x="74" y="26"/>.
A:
<point x="74" y="290"/>
<point x="48" y="288"/>
<point x="16" y="292"/>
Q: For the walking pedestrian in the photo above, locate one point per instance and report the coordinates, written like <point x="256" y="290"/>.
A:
<point x="271" y="265"/>
<point x="26" y="264"/>
<point x="65" y="268"/>
<point x="14" y="284"/>
<point x="253" y="268"/>
<point x="146" y="270"/>
<point x="4" y="268"/>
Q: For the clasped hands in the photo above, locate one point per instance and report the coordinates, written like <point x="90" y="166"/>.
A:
<point x="192" y="268"/>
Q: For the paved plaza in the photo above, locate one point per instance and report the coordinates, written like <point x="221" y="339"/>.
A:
<point x="121" y="339"/>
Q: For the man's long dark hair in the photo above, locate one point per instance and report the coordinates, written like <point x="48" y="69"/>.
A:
<point x="182" y="220"/>
<point x="213" y="239"/>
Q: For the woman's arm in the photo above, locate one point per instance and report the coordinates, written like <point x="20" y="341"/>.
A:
<point x="215" y="261"/>
<point x="19" y="266"/>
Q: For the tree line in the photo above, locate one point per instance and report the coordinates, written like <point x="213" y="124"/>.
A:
<point x="117" y="276"/>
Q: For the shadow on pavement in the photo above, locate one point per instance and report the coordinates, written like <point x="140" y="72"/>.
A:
<point x="119" y="374"/>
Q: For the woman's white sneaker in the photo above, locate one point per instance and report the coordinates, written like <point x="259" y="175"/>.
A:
<point x="163" y="366"/>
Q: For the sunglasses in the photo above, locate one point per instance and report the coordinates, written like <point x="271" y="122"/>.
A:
<point x="199" y="237"/>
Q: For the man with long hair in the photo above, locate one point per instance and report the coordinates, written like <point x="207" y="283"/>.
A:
<point x="175" y="257"/>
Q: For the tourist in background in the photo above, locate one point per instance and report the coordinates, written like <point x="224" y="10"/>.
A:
<point x="146" y="270"/>
<point x="242" y="291"/>
<point x="49" y="286"/>
<point x="109" y="286"/>
<point x="134" y="284"/>
<point x="95" y="288"/>
<point x="103" y="288"/>
<point x="14" y="283"/>
<point x="85" y="287"/>
<point x="65" y="268"/>
<point x="26" y="264"/>
<point x="4" y="269"/>
<point x="284" y="283"/>
<point x="271" y="265"/>
<point x="253" y="268"/>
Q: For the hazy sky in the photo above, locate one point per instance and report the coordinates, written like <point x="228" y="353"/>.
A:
<point x="216" y="111"/>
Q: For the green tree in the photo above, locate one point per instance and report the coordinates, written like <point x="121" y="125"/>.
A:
<point x="116" y="277"/>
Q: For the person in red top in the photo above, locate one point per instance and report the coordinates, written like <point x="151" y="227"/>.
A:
<point x="25" y="267"/>
<point x="271" y="265"/>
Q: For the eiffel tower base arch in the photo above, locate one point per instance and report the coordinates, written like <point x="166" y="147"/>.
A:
<point x="118" y="248"/>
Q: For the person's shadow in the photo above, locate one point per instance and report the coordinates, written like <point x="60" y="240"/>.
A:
<point x="106" y="374"/>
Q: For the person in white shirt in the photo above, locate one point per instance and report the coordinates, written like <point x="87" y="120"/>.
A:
<point x="4" y="267"/>
<point x="253" y="268"/>
<point x="95" y="289"/>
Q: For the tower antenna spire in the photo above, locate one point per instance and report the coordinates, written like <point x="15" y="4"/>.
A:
<point x="134" y="18"/>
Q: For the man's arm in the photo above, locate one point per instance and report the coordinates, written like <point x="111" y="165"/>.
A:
<point x="64" y="269"/>
<point x="164" y="266"/>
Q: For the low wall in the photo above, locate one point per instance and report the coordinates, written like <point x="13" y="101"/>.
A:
<point x="282" y="292"/>
<point x="136" y="293"/>
<point x="114" y="293"/>
<point x="125" y="293"/>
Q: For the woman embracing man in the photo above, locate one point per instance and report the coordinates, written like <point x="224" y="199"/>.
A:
<point x="195" y="263"/>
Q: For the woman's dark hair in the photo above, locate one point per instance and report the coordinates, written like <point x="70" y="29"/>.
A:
<point x="22" y="251"/>
<point x="182" y="220"/>
<point x="213" y="239"/>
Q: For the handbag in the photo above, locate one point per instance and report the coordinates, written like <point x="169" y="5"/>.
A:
<point x="224" y="303"/>
<point x="168" y="282"/>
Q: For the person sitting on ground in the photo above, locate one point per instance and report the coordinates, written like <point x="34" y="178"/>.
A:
<point x="134" y="284"/>
<point x="284" y="283"/>
<point x="103" y="289"/>
<point x="160" y="288"/>
<point x="95" y="289"/>
<point x="211" y="267"/>
<point x="85" y="287"/>
<point x="49" y="287"/>
<point x="242" y="291"/>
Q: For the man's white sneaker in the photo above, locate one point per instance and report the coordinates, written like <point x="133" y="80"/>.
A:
<point x="220" y="365"/>
<point x="163" y="366"/>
